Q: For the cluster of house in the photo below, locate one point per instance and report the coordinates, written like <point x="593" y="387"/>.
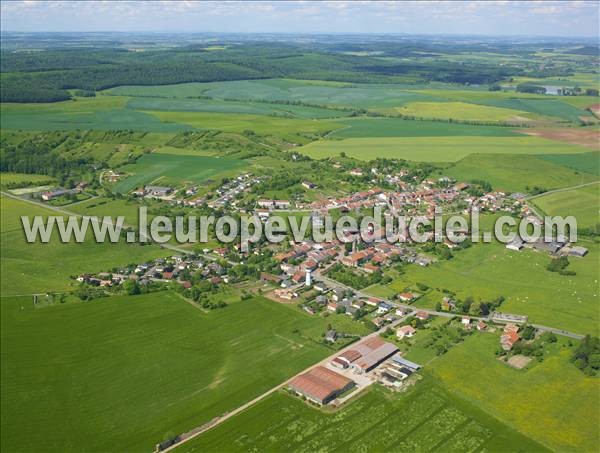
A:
<point x="173" y="269"/>
<point x="59" y="191"/>
<point x="229" y="193"/>
<point x="553" y="247"/>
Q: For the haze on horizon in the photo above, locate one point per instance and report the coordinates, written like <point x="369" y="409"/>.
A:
<point x="548" y="18"/>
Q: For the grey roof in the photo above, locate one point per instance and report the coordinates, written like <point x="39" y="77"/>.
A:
<point x="402" y="361"/>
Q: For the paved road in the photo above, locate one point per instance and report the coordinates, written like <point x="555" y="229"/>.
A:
<point x="564" y="189"/>
<point x="334" y="283"/>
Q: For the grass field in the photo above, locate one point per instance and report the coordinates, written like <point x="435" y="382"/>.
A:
<point x="394" y="127"/>
<point x="552" y="402"/>
<point x="162" y="169"/>
<point x="102" y="113"/>
<point x="124" y="373"/>
<point x="461" y="111"/>
<point x="587" y="162"/>
<point x="519" y="173"/>
<point x="39" y="268"/>
<point x="425" y="419"/>
<point x="220" y="106"/>
<point x="290" y="129"/>
<point x="19" y="178"/>
<point x="434" y="149"/>
<point x="546" y="107"/>
<point x="583" y="203"/>
<point x="567" y="108"/>
<point x="308" y="91"/>
<point x="489" y="270"/>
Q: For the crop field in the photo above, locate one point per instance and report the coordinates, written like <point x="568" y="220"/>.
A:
<point x="567" y="108"/>
<point x="23" y="272"/>
<point x="434" y="149"/>
<point x="552" y="402"/>
<point x="162" y="168"/>
<point x="126" y="372"/>
<point x="104" y="113"/>
<point x="489" y="270"/>
<point x="291" y="129"/>
<point x="586" y="162"/>
<point x="519" y="172"/>
<point x="462" y="111"/>
<point x="582" y="203"/>
<point x="547" y="107"/>
<point x="20" y="178"/>
<point x="307" y="91"/>
<point x="220" y="106"/>
<point x="395" y="127"/>
<point x="424" y="419"/>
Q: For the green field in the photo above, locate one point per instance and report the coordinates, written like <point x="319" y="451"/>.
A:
<point x="124" y="373"/>
<point x="518" y="172"/>
<point x="220" y="106"/>
<point x="583" y="203"/>
<point x="489" y="270"/>
<point x="425" y="419"/>
<point x="307" y="91"/>
<point x="586" y="162"/>
<point x="567" y="108"/>
<point x="288" y="128"/>
<point x="395" y="127"/>
<point x="39" y="268"/>
<point x="19" y="178"/>
<point x="552" y="402"/>
<point x="161" y="169"/>
<point x="103" y="113"/>
<point x="434" y="149"/>
<point x="546" y="107"/>
<point x="462" y="111"/>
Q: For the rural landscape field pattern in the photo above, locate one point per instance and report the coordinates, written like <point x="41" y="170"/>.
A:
<point x="126" y="347"/>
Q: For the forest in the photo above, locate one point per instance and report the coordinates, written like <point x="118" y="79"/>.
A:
<point x="48" y="76"/>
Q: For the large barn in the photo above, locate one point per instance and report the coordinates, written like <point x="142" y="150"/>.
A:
<point x="320" y="384"/>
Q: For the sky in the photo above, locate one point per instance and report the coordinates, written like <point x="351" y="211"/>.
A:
<point x="532" y="18"/>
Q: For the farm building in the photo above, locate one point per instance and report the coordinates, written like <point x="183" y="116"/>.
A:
<point x="320" y="384"/>
<point x="508" y="317"/>
<point x="578" y="251"/>
<point x="373" y="352"/>
<point x="516" y="244"/>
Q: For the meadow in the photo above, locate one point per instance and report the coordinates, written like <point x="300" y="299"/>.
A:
<point x="318" y="92"/>
<point x="582" y="203"/>
<point x="293" y="130"/>
<point x="163" y="169"/>
<point x="520" y="172"/>
<point x="434" y="149"/>
<point x="397" y="127"/>
<point x="126" y="372"/>
<point x="487" y="271"/>
<point x="102" y="113"/>
<point x="462" y="111"/>
<point x="23" y="178"/>
<point x="221" y="106"/>
<point x="552" y="402"/>
<point x="40" y="268"/>
<point x="425" y="418"/>
<point x="586" y="162"/>
<point x="561" y="108"/>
